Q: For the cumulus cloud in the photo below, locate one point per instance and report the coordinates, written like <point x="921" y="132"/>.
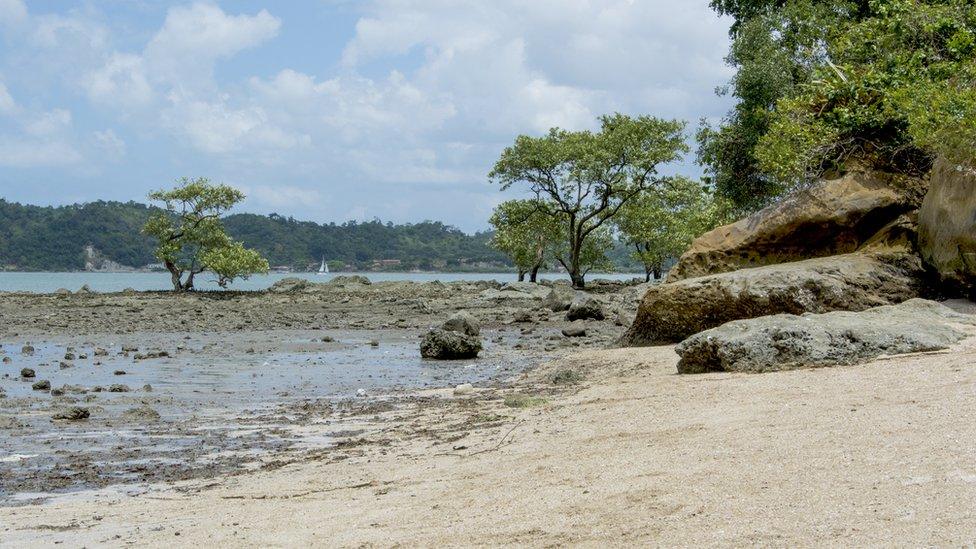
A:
<point x="425" y="93"/>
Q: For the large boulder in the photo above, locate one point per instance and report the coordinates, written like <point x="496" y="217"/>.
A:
<point x="831" y="217"/>
<point x="850" y="282"/>
<point x="947" y="224"/>
<point x="783" y="342"/>
<point x="440" y="344"/>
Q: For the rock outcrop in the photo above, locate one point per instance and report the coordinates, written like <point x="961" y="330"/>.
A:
<point x="850" y="282"/>
<point x="782" y="342"/>
<point x="947" y="225"/>
<point x="833" y="217"/>
<point x="559" y="298"/>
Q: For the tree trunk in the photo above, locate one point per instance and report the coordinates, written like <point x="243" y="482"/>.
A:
<point x="175" y="276"/>
<point x="521" y="276"/>
<point x="657" y="272"/>
<point x="647" y="274"/>
<point x="534" y="275"/>
<point x="188" y="285"/>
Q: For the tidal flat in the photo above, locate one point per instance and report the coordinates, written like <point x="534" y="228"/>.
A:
<point x="192" y="386"/>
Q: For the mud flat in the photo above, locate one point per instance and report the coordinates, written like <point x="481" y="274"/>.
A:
<point x="181" y="387"/>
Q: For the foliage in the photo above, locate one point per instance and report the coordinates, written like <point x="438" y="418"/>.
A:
<point x="191" y="237"/>
<point x="661" y="224"/>
<point x="586" y="177"/>
<point x="886" y="84"/>
<point x="526" y="231"/>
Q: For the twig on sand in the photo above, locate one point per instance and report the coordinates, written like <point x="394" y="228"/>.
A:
<point x="306" y="493"/>
<point x="486" y="450"/>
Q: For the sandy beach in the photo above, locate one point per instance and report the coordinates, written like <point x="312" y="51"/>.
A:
<point x="878" y="453"/>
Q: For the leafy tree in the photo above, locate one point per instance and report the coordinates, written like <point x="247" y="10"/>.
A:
<point x="661" y="224"/>
<point x="191" y="238"/>
<point x="587" y="177"/>
<point x="824" y="84"/>
<point x="527" y="231"/>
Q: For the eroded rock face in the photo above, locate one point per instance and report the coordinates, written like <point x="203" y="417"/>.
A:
<point x="833" y="217"/>
<point x="947" y="224"/>
<point x="463" y="322"/>
<point x="851" y="282"/>
<point x="784" y="342"/>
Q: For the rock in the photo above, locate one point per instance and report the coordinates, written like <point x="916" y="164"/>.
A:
<point x="42" y="385"/>
<point x="947" y="225"/>
<point x="559" y="299"/>
<point x="574" y="331"/>
<point x="72" y="414"/>
<point x="119" y="372"/>
<point x="27" y="350"/>
<point x="69" y="356"/>
<point x="462" y="322"/>
<point x="141" y="414"/>
<point x="441" y="344"/>
<point x="783" y="342"/>
<point x="522" y="316"/>
<point x="374" y="343"/>
<point x="27" y="373"/>
<point x="349" y="280"/>
<point x="290" y="285"/>
<point x="100" y="352"/>
<point x="118" y="388"/>
<point x="62" y="292"/>
<point x="851" y="282"/>
<point x="623" y="318"/>
<point x="463" y="389"/>
<point x="830" y="218"/>
<point x="585" y="307"/>
<point x="85" y="290"/>
<point x="65" y="364"/>
<point x="6" y="360"/>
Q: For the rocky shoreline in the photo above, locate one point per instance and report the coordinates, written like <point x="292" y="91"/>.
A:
<point x="201" y="385"/>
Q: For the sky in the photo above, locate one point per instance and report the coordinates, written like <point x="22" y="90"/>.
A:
<point x="332" y="110"/>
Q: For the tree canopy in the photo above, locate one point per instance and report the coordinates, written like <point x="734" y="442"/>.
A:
<point x="586" y="177"/>
<point x="191" y="237"/>
<point x="660" y="225"/>
<point x="825" y="84"/>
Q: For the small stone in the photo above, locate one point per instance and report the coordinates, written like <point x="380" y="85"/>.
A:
<point x="374" y="343"/>
<point x="72" y="414"/>
<point x="118" y="388"/>
<point x="327" y="339"/>
<point x="27" y="350"/>
<point x="42" y="385"/>
<point x="6" y="360"/>
<point x="147" y="388"/>
<point x="574" y="331"/>
<point x="27" y="373"/>
<point x="119" y="372"/>
<point x="100" y="352"/>
<point x="63" y="365"/>
<point x="69" y="356"/>
<point x="463" y="389"/>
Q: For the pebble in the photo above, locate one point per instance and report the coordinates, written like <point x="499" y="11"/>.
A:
<point x="72" y="414"/>
<point x="42" y="385"/>
<point x="463" y="389"/>
<point x="27" y="373"/>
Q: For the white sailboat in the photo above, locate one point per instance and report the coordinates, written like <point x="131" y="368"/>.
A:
<point x="323" y="269"/>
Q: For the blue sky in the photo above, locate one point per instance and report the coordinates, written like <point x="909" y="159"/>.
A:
<point x="331" y="110"/>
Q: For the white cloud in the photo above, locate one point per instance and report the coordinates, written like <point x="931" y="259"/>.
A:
<point x="7" y="103"/>
<point x="193" y="38"/>
<point x="50" y="123"/>
<point x="121" y="82"/>
<point x="13" y="13"/>
<point x="109" y="143"/>
<point x="16" y="152"/>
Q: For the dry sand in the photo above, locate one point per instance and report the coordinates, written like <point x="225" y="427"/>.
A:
<point x="876" y="454"/>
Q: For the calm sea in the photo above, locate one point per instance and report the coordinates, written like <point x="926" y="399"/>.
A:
<point x="115" y="282"/>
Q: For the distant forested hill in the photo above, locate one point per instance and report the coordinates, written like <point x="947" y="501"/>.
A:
<point x="35" y="238"/>
<point x="47" y="238"/>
